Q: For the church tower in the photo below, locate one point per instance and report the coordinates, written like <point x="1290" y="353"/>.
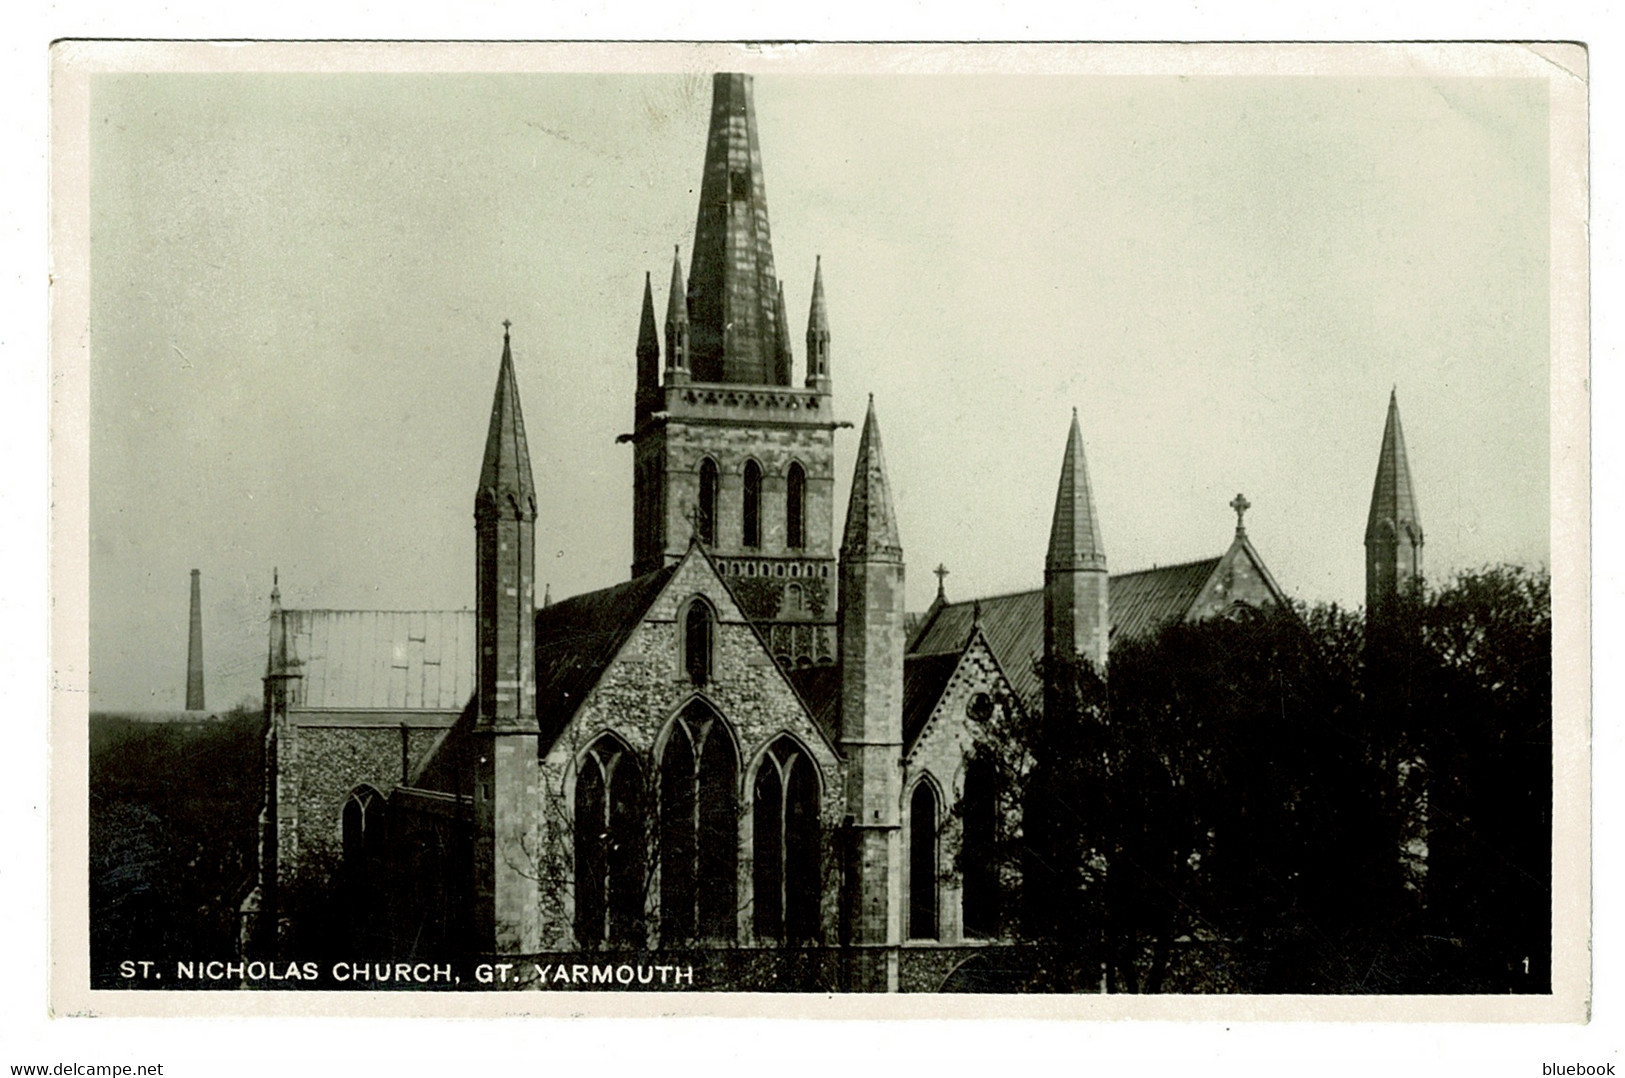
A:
<point x="873" y="637"/>
<point x="1393" y="530"/>
<point x="725" y="447"/>
<point x="1076" y="617"/>
<point x="506" y="774"/>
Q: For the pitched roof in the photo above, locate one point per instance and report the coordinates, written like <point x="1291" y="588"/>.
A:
<point x="378" y="659"/>
<point x="445" y="768"/>
<point x="1143" y="602"/>
<point x="819" y="687"/>
<point x="1140" y="603"/>
<point x="576" y="638"/>
<point x="924" y="679"/>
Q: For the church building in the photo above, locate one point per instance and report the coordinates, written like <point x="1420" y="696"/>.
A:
<point x="750" y="745"/>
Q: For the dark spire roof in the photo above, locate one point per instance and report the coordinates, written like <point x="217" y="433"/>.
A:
<point x="1393" y="499"/>
<point x="677" y="298"/>
<point x="784" y="359"/>
<point x="871" y="524"/>
<point x="648" y="332"/>
<point x="506" y="470"/>
<point x="1074" y="535"/>
<point x="733" y="290"/>
<point x="818" y="316"/>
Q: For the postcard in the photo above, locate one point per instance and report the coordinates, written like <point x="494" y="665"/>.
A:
<point x="830" y="530"/>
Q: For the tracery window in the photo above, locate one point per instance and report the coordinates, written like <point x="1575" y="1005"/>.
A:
<point x="610" y="845"/>
<point x="922" y="863"/>
<point x="699" y="829"/>
<point x="786" y="885"/>
<point x="363" y="811"/>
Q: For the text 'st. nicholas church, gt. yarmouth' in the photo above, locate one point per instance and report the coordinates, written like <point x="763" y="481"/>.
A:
<point x="748" y="747"/>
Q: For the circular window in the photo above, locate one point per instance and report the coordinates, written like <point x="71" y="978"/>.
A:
<point x="980" y="707"/>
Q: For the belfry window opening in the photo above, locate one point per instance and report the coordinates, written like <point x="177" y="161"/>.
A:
<point x="707" y="507"/>
<point x="795" y="507"/>
<point x="753" y="504"/>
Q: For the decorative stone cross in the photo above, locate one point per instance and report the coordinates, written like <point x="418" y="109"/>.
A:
<point x="1240" y="504"/>
<point x="942" y="572"/>
<point x="505" y="325"/>
<point x="696" y="520"/>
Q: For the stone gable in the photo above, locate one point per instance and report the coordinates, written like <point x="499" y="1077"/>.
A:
<point x="939" y="755"/>
<point x="642" y="690"/>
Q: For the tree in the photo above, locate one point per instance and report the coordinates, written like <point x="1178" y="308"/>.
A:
<point x="1296" y="800"/>
<point x="1207" y="817"/>
<point x="1477" y="704"/>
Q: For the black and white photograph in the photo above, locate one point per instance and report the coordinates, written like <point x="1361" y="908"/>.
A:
<point x="1081" y="529"/>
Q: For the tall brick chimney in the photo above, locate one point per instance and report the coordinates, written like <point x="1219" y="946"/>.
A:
<point x="194" y="649"/>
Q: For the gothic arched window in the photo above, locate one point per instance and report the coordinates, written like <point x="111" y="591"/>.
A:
<point x="609" y="846"/>
<point x="360" y="826"/>
<point x="753" y="504"/>
<point x="981" y="878"/>
<point x="699" y="640"/>
<point x="708" y="502"/>
<point x="786" y="882"/>
<point x="359" y="823"/>
<point x="795" y="508"/>
<point x="922" y="863"/>
<point x="699" y="831"/>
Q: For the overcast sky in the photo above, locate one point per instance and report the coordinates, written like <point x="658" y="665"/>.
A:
<point x="298" y="285"/>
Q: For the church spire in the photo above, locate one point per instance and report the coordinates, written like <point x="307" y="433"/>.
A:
<point x="873" y="639"/>
<point x="818" y="333"/>
<point x="1393" y="530"/>
<point x="1074" y="534"/>
<point x="504" y="761"/>
<point x="871" y="525"/>
<point x="784" y="359"/>
<point x="505" y="472"/>
<point x="648" y="354"/>
<point x="733" y="289"/>
<point x="1077" y="617"/>
<point x="677" y="324"/>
